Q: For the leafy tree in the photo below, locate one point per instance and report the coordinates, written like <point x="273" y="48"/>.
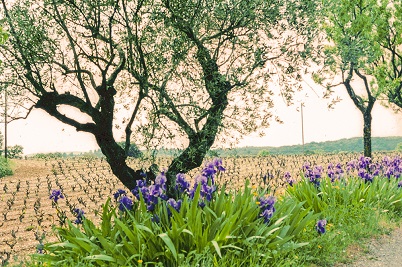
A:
<point x="365" y="49"/>
<point x="15" y="151"/>
<point x="184" y="70"/>
<point x="388" y="71"/>
<point x="353" y="53"/>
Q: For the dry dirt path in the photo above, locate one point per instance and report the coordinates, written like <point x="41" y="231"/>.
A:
<point x="385" y="251"/>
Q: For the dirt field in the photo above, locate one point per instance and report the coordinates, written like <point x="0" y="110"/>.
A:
<point x="26" y="211"/>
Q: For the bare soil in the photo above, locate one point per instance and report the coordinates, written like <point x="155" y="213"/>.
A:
<point x="29" y="168"/>
<point x="26" y="212"/>
<point x="385" y="251"/>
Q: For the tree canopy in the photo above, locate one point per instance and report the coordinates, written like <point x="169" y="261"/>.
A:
<point x="358" y="33"/>
<point x="161" y="70"/>
<point x="388" y="70"/>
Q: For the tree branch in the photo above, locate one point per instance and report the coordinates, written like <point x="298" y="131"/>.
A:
<point x="357" y="100"/>
<point x="49" y="102"/>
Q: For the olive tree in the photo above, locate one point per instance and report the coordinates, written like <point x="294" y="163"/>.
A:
<point x="187" y="71"/>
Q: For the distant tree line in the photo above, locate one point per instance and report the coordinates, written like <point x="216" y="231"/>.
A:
<point x="342" y="145"/>
<point x="133" y="152"/>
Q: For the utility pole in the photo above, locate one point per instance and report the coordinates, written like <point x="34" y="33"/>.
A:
<point x="302" y="126"/>
<point x="5" y="123"/>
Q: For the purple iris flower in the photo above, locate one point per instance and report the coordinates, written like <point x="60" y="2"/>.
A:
<point x="400" y="184"/>
<point x="118" y="193"/>
<point x="351" y="166"/>
<point x="125" y="203"/>
<point x="267" y="215"/>
<point x="331" y="174"/>
<point x="175" y="204"/>
<point x="140" y="184"/>
<point x="364" y="162"/>
<point x="218" y="164"/>
<point x="267" y="202"/>
<point x="314" y="175"/>
<point x="207" y="191"/>
<point x="212" y="168"/>
<point x="79" y="214"/>
<point x="209" y="170"/>
<point x="161" y="180"/>
<point x="386" y="161"/>
<point x="155" y="190"/>
<point x="201" y="179"/>
<point x="181" y="183"/>
<point x="201" y="204"/>
<point x="56" y="195"/>
<point x="145" y="192"/>
<point x="320" y="226"/>
<point x="266" y="205"/>
<point x="288" y="178"/>
<point x="396" y="161"/>
<point x="306" y="166"/>
<point x="366" y="176"/>
<point x="151" y="207"/>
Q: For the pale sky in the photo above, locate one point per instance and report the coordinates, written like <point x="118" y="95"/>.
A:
<point x="42" y="133"/>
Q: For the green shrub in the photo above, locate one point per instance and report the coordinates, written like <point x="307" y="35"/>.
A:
<point x="5" y="168"/>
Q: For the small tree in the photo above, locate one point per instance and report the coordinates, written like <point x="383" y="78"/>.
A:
<point x="388" y="70"/>
<point x="15" y="152"/>
<point x="353" y="30"/>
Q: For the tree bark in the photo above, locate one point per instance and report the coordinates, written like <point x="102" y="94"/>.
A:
<point x="367" y="133"/>
<point x="360" y="104"/>
<point x="116" y="158"/>
<point x="199" y="144"/>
